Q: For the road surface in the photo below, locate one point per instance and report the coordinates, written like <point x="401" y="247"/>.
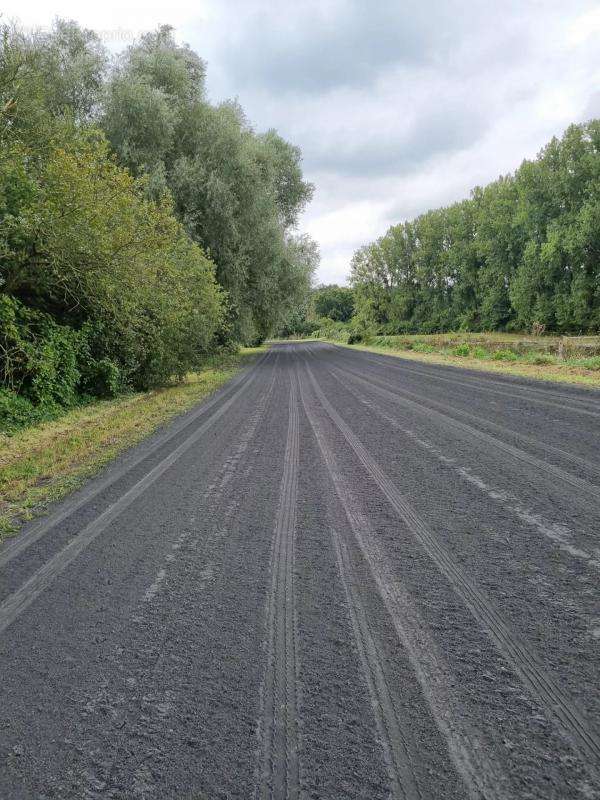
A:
<point x="343" y="576"/>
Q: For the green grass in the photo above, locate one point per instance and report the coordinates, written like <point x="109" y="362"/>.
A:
<point x="45" y="462"/>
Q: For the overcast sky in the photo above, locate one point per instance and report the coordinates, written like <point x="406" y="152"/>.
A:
<point x="398" y="106"/>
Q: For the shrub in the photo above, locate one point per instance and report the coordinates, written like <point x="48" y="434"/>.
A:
<point x="541" y="358"/>
<point x="504" y="355"/>
<point x="423" y="347"/>
<point x="355" y="337"/>
<point x="101" y="378"/>
<point x="38" y="357"/>
<point x="16" y="411"/>
<point x="118" y="296"/>
<point x="462" y="350"/>
<point x="328" y="329"/>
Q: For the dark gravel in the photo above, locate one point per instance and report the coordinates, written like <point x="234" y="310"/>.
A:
<point x="366" y="578"/>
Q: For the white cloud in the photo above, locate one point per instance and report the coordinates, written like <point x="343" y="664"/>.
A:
<point x="584" y="27"/>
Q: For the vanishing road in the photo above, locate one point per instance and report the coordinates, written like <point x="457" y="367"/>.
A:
<point x="343" y="576"/>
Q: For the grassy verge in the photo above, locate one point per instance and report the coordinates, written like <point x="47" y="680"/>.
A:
<point x="45" y="462"/>
<point x="574" y="360"/>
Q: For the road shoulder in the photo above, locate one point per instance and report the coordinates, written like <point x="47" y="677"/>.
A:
<point x="42" y="464"/>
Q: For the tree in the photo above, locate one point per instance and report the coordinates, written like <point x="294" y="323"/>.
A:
<point x="334" y="302"/>
<point x="523" y="250"/>
<point x="238" y="194"/>
<point x="49" y="75"/>
<point x="141" y="227"/>
<point x="101" y="287"/>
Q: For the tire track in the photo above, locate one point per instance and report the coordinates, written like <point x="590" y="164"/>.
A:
<point x="552" y="531"/>
<point x="153" y="623"/>
<point x="482" y="387"/>
<point x="480" y="776"/>
<point x="556" y="703"/>
<point x="393" y="738"/>
<point x="589" y="489"/>
<point x="16" y="603"/>
<point x="583" y="463"/>
<point x="280" y="777"/>
<point x="44" y="525"/>
<point x="215" y="491"/>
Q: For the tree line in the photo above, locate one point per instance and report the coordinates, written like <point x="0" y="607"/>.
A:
<point x="522" y="252"/>
<point x="142" y="227"/>
<point x="323" y="305"/>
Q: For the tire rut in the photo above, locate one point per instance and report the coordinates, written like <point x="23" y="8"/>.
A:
<point x="397" y="758"/>
<point x="280" y="776"/>
<point x="393" y="737"/>
<point x="157" y="707"/>
<point x="24" y="540"/>
<point x="16" y="603"/>
<point x="556" y="703"/>
<point x="480" y="775"/>
<point x="583" y="463"/>
<point x="533" y="392"/>
<point x="502" y="497"/>
<point x="396" y="396"/>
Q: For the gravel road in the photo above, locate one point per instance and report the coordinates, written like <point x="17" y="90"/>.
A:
<point x="343" y="576"/>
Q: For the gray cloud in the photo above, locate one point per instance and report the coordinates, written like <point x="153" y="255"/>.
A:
<point x="307" y="48"/>
<point x="366" y="152"/>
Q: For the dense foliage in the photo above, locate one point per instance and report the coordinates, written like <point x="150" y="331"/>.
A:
<point x="141" y="228"/>
<point x="521" y="253"/>
<point x="237" y="193"/>
<point x="333" y="302"/>
<point x="325" y="306"/>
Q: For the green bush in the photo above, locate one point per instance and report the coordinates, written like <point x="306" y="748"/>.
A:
<point x="462" y="350"/>
<point x="504" y="355"/>
<point x="16" y="411"/>
<point x="54" y="372"/>
<point x="423" y="347"/>
<point x="101" y="378"/>
<point x="541" y="358"/>
<point x="355" y="337"/>
<point x="38" y="357"/>
<point x="328" y="329"/>
<point x="118" y="296"/>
